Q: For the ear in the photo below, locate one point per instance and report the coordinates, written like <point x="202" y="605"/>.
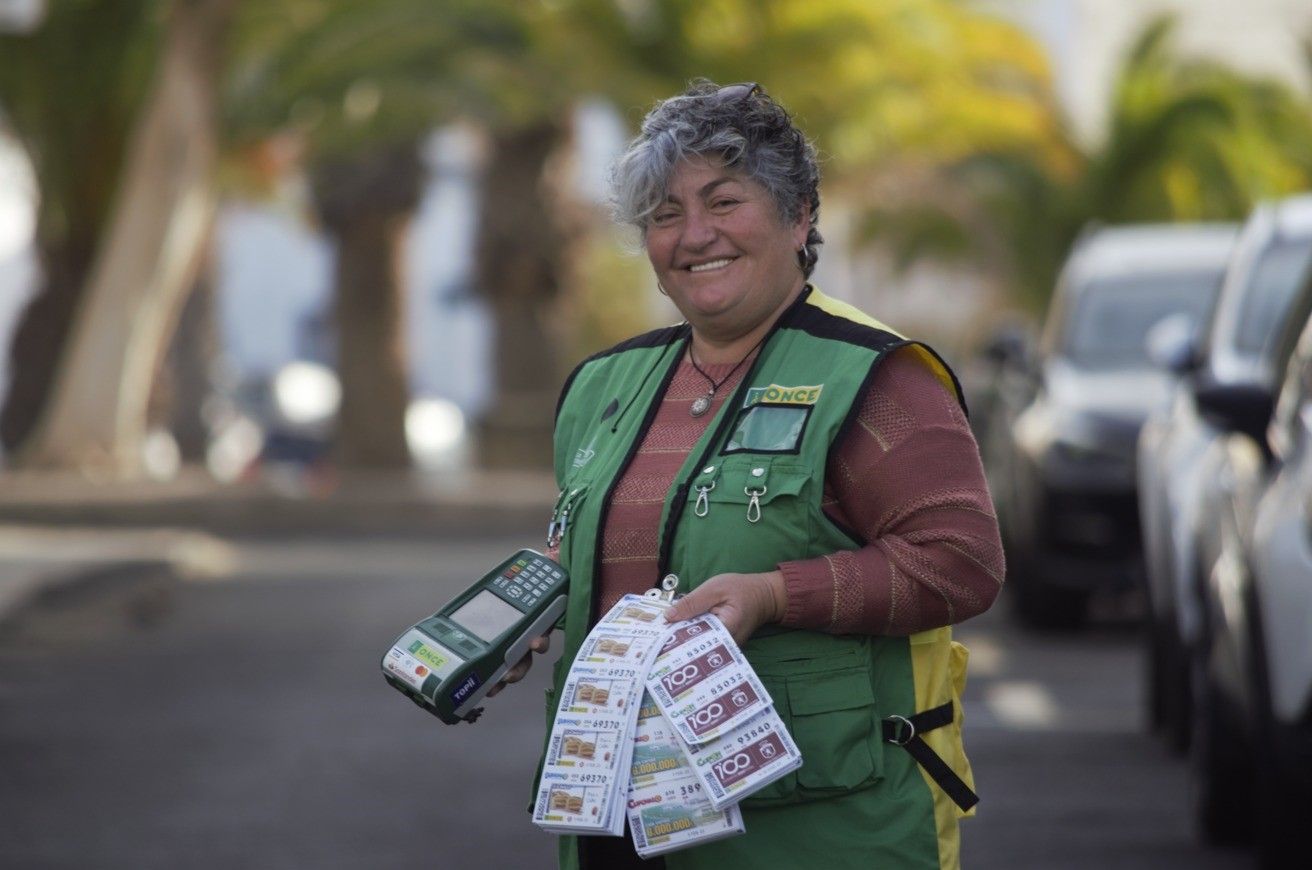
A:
<point x="801" y="228"/>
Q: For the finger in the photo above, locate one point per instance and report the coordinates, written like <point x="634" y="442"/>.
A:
<point x="514" y="675"/>
<point x="695" y="603"/>
<point x="541" y="644"/>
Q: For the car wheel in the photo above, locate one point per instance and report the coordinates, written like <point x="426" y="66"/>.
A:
<point x="1284" y="788"/>
<point x="1221" y="764"/>
<point x="1177" y="692"/>
<point x="1154" y="707"/>
<point x="1282" y="804"/>
<point x="1167" y="698"/>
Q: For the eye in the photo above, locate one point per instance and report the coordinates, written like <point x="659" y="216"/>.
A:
<point x="723" y="202"/>
<point x="663" y="217"/>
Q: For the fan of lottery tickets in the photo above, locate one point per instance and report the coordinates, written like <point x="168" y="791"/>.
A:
<point x="664" y="725"/>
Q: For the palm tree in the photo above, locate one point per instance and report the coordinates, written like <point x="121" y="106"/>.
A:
<point x="145" y="259"/>
<point x="1186" y="140"/>
<point x="97" y="57"/>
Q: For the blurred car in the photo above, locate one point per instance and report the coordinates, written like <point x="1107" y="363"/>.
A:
<point x="1252" y="746"/>
<point x="1260" y="286"/>
<point x="1063" y="480"/>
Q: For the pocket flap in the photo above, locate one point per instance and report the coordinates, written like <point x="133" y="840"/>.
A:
<point x="777" y="479"/>
<point x="823" y="693"/>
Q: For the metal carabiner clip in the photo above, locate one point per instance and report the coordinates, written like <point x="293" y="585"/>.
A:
<point x="703" y="506"/>
<point x="754" y="506"/>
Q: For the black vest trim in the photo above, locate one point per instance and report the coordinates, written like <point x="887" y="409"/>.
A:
<point x="666" y="335"/>
<point x="822" y="324"/>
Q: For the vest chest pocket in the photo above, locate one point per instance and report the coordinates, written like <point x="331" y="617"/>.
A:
<point x="832" y="718"/>
<point x="747" y="513"/>
<point x="768" y="428"/>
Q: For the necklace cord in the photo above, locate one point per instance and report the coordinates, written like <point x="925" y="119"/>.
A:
<point x="710" y="380"/>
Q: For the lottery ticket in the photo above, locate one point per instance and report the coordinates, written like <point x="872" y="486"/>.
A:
<point x="599" y="690"/>
<point x="689" y="629"/>
<point x="585" y="778"/>
<point x="675" y="814"/>
<point x="576" y="746"/>
<point x="745" y="760"/>
<point x="572" y="806"/>
<point x="665" y="726"/>
<point x="612" y="647"/>
<point x="638" y="615"/>
<point x="656" y="749"/>
<point x="703" y="683"/>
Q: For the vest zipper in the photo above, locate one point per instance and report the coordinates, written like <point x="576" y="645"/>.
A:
<point x="624" y="465"/>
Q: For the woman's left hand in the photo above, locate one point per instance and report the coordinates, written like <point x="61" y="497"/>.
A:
<point x="743" y="602"/>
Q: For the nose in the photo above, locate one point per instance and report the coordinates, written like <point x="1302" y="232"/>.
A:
<point x="699" y="230"/>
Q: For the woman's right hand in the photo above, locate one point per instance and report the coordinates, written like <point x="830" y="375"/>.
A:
<point x="520" y="670"/>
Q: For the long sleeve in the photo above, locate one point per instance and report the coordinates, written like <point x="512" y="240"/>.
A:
<point x="907" y="477"/>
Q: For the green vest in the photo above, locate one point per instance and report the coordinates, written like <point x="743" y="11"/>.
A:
<point x="748" y="497"/>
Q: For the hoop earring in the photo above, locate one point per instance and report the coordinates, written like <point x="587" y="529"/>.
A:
<point x="661" y="287"/>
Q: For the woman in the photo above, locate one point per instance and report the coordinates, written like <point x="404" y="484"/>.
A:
<point x="804" y="473"/>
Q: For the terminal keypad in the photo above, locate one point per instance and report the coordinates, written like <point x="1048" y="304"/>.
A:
<point x="526" y="581"/>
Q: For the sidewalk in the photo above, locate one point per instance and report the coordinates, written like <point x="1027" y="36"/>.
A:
<point x="62" y="529"/>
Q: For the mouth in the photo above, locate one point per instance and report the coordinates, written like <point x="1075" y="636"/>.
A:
<point x="711" y="265"/>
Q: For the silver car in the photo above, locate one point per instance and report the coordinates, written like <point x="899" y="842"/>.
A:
<point x="1234" y="349"/>
<point x="1252" y="747"/>
<point x="1062" y="472"/>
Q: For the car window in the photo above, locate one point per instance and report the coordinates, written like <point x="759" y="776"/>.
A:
<point x="1276" y="277"/>
<point x="1109" y="324"/>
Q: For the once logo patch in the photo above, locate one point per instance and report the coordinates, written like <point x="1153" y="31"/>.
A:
<point x="780" y="395"/>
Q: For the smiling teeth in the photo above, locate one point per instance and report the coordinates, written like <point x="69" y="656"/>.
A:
<point x="714" y="264"/>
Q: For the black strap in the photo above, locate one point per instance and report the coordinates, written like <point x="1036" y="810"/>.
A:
<point x="905" y="732"/>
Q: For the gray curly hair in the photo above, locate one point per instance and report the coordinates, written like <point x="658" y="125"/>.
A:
<point x="743" y="127"/>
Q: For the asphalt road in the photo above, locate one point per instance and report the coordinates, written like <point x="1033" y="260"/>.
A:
<point x="243" y="722"/>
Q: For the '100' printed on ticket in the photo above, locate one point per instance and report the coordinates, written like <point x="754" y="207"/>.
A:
<point x="703" y="683"/>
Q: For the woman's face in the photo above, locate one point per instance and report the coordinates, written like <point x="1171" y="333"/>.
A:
<point x="719" y="248"/>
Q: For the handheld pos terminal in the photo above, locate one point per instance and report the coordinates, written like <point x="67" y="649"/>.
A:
<point x="448" y="662"/>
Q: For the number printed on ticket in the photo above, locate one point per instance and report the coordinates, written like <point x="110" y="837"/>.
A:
<point x="676" y="814"/>
<point x="703" y="683"/>
<point x="745" y="760"/>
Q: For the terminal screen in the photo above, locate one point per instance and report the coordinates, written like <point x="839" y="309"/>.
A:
<point x="486" y="616"/>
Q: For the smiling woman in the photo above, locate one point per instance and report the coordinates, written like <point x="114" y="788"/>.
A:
<point x="798" y="470"/>
<point x="725" y="256"/>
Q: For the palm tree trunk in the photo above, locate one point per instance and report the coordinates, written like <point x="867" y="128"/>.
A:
<point x="367" y="204"/>
<point x="96" y="417"/>
<point x="41" y="334"/>
<point x="524" y="248"/>
<point x="187" y="380"/>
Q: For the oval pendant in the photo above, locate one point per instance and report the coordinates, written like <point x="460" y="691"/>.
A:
<point x="700" y="405"/>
